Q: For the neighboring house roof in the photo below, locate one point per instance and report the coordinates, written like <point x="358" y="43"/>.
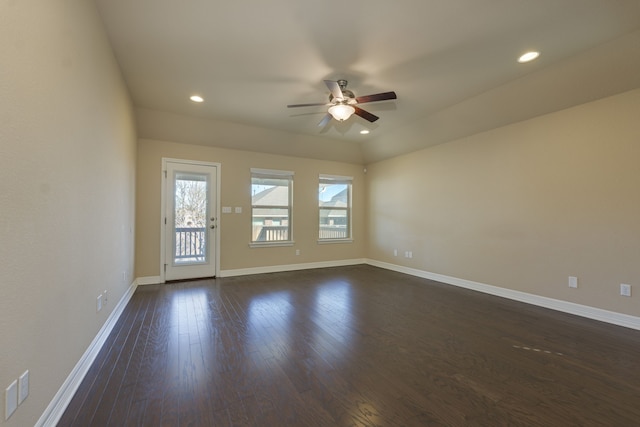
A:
<point x="274" y="196"/>
<point x="279" y="196"/>
<point x="339" y="200"/>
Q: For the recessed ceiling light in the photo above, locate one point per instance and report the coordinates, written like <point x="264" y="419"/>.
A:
<point x="529" y="56"/>
<point x="364" y="132"/>
<point x="197" y="98"/>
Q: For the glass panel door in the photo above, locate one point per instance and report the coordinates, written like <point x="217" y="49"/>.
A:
<point x="190" y="221"/>
<point x="190" y="218"/>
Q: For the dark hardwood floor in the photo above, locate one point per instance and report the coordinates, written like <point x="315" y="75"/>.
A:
<point x="354" y="346"/>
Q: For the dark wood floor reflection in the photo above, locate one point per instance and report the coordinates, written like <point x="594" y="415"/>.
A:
<point x="354" y="346"/>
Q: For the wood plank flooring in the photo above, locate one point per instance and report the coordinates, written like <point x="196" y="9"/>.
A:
<point x="354" y="346"/>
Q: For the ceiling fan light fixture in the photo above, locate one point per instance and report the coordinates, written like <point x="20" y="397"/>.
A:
<point x="341" y="112"/>
<point x="528" y="57"/>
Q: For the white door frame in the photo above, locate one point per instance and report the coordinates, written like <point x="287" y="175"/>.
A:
<point x="163" y="211"/>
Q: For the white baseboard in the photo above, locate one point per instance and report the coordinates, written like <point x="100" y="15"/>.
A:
<point x="594" y="313"/>
<point x="148" y="280"/>
<point x="58" y="405"/>
<point x="290" y="267"/>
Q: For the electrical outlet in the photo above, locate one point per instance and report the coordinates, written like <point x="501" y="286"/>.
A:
<point x="23" y="387"/>
<point x="99" y="303"/>
<point x="625" y="290"/>
<point x="573" y="282"/>
<point x="105" y="297"/>
<point x="297" y="251"/>
<point x="395" y="252"/>
<point x="410" y="254"/>
<point x="10" y="399"/>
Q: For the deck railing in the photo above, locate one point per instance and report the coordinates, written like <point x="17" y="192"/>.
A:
<point x="333" y="232"/>
<point x="275" y="233"/>
<point x="190" y="244"/>
<point x="270" y="233"/>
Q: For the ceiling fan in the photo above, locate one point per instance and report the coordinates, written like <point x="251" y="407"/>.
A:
<point x="343" y="102"/>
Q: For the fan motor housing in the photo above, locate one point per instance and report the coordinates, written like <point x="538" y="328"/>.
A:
<point x="349" y="97"/>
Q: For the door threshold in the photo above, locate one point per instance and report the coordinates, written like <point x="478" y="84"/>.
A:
<point x="195" y="279"/>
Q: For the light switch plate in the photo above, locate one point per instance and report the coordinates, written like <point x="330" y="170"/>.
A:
<point x="10" y="399"/>
<point x="23" y="387"/>
<point x="226" y="209"/>
<point x="238" y="209"/>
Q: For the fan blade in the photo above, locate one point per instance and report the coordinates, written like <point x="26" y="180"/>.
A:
<point x="307" y="105"/>
<point x="365" y="114"/>
<point x="376" y="97"/>
<point x="334" y="87"/>
<point x="324" y="120"/>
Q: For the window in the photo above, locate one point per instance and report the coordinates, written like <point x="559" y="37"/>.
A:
<point x="334" y="203"/>
<point x="271" y="195"/>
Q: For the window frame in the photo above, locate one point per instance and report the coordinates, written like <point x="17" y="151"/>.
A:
<point x="279" y="175"/>
<point x="337" y="179"/>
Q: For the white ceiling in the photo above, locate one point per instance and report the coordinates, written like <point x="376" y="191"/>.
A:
<point x="445" y="59"/>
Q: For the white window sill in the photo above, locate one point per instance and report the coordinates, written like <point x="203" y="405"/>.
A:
<point x="330" y="241"/>
<point x="271" y="244"/>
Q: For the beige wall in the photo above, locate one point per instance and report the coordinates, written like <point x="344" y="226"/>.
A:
<point x="523" y="206"/>
<point x="165" y="126"/>
<point x="235" y="229"/>
<point x="67" y="149"/>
